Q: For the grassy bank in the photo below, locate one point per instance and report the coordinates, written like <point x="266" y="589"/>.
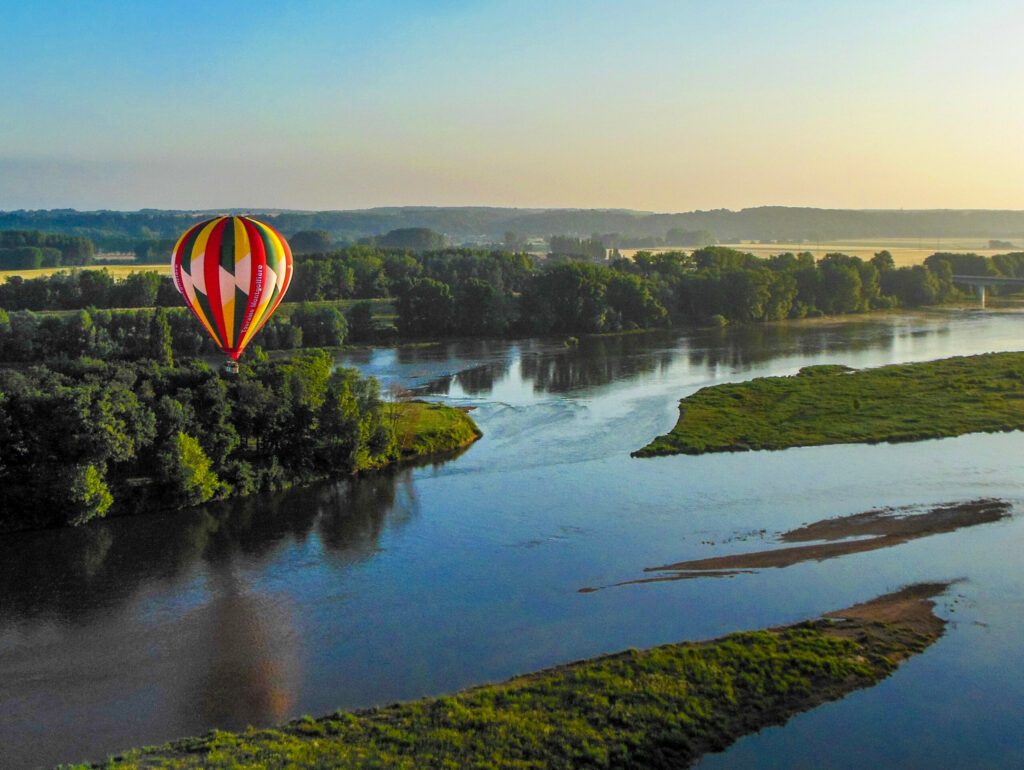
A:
<point x="659" y="708"/>
<point x="837" y="405"/>
<point x="425" y="429"/>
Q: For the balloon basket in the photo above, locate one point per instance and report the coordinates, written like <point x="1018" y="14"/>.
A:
<point x="230" y="367"/>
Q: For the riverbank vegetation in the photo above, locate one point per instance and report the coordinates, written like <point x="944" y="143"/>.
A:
<point x="473" y="292"/>
<point x="659" y="708"/>
<point x="837" y="405"/>
<point x="81" y="438"/>
<point x="423" y="429"/>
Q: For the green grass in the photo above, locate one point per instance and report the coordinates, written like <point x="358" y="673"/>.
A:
<point x="660" y="708"/>
<point x="425" y="429"/>
<point x="836" y="405"/>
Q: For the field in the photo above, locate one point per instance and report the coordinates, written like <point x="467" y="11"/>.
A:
<point x="905" y="251"/>
<point x="836" y="405"/>
<point x="117" y="271"/>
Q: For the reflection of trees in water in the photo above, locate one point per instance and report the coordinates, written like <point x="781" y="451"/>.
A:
<point x="74" y="573"/>
<point x="479" y="363"/>
<point x="459" y="350"/>
<point x="353" y="515"/>
<point x="479" y="380"/>
<point x="742" y="346"/>
<point x="596" y="361"/>
<point x="475" y="381"/>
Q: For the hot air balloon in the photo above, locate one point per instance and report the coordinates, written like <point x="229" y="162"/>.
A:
<point x="233" y="273"/>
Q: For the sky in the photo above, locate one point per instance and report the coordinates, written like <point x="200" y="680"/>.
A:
<point x="660" y="105"/>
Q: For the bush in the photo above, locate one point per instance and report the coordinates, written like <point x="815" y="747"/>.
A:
<point x="185" y="469"/>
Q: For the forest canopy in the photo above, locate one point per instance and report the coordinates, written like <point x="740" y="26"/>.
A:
<point x="474" y="292"/>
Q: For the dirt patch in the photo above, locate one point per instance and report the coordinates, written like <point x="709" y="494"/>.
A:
<point x="858" y="533"/>
<point x="901" y="521"/>
<point x="911" y="607"/>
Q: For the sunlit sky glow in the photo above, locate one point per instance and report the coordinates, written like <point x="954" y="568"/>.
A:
<point x="661" y="105"/>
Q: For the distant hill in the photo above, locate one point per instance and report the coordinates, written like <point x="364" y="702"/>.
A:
<point x="120" y="229"/>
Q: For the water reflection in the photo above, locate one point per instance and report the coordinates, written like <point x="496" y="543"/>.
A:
<point x="247" y="654"/>
<point x="160" y="615"/>
<point x="475" y="381"/>
<point x="739" y="348"/>
<point x="73" y="574"/>
<point x="597" y="361"/>
<point x="354" y="515"/>
<point x="551" y="367"/>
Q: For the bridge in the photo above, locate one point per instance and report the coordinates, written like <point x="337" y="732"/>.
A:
<point x="982" y="282"/>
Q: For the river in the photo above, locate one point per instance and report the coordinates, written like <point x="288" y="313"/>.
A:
<point x="139" y="630"/>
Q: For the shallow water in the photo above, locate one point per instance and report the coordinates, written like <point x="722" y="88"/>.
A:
<point x="136" y="631"/>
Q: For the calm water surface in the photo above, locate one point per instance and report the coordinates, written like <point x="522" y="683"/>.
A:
<point x="136" y="631"/>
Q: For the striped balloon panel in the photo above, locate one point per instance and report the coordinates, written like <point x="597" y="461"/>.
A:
<point x="233" y="273"/>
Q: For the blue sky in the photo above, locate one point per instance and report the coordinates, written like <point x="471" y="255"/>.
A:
<point x="653" y="105"/>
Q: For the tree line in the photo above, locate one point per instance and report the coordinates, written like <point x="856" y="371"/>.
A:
<point x="162" y="334"/>
<point x="83" y="437"/>
<point x="30" y="249"/>
<point x="1001" y="265"/>
<point x="467" y="292"/>
<point x="495" y="293"/>
<point x="118" y="231"/>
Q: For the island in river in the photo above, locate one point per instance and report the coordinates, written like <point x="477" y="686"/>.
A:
<point x="657" y="708"/>
<point x="832" y="404"/>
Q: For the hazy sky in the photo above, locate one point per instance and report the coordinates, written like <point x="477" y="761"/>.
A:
<point x="666" y="106"/>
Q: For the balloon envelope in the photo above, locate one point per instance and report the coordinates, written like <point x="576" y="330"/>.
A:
<point x="233" y="273"/>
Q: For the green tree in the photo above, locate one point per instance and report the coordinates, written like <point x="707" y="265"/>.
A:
<point x="95" y="289"/>
<point x="747" y="294"/>
<point x="912" y="286"/>
<point x="323" y="326"/>
<point x="425" y="308"/>
<point x="160" y="348"/>
<point x="839" y="285"/>
<point x="310" y="242"/>
<point x="630" y="298"/>
<point x="567" y="297"/>
<point x="412" y="239"/>
<point x="186" y="471"/>
<point x="21" y="258"/>
<point x="480" y="309"/>
<point x="361" y="326"/>
<point x="84" y="494"/>
<point x="136" y="290"/>
<point x="883" y="261"/>
<point x="782" y="297"/>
